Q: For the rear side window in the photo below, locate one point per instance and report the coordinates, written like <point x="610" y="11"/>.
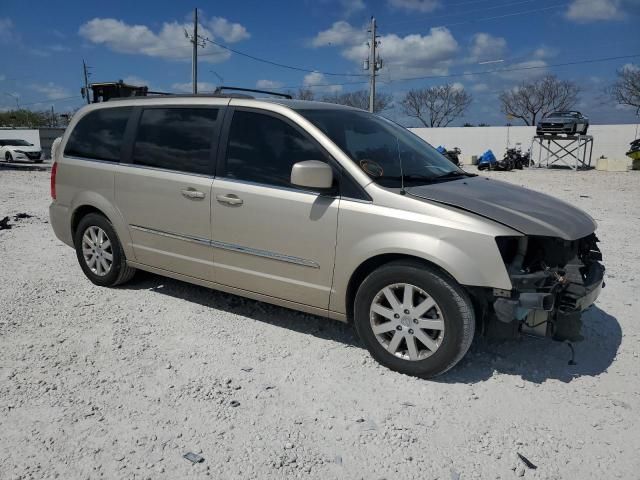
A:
<point x="263" y="149"/>
<point x="98" y="135"/>
<point x="176" y="139"/>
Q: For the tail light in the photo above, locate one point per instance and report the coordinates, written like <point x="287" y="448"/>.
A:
<point x="54" y="171"/>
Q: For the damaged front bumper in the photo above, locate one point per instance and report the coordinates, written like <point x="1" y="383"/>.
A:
<point x="548" y="301"/>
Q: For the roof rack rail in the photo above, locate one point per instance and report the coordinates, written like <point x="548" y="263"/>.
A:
<point x="219" y="90"/>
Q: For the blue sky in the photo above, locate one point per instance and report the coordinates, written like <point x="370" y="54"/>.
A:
<point x="43" y="44"/>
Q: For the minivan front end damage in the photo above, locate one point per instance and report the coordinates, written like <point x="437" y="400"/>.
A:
<point x="553" y="282"/>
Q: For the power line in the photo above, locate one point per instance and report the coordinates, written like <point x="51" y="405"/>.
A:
<point x="482" y="72"/>
<point x="276" y="64"/>
<point x="50" y="101"/>
<point x="464" y="12"/>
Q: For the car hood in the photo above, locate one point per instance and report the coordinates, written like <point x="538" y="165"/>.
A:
<point x="524" y="210"/>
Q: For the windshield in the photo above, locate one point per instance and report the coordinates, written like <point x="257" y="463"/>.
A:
<point x="377" y="145"/>
<point x="16" y="143"/>
<point x="563" y="114"/>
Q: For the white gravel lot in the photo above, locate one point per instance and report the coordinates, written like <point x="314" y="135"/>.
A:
<point x="120" y="383"/>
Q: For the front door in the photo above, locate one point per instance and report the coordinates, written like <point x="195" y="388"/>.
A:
<point x="269" y="236"/>
<point x="164" y="192"/>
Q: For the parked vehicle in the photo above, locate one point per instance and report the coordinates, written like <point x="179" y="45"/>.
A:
<point x="324" y="209"/>
<point x="452" y="155"/>
<point x="17" y="149"/>
<point x="563" y="122"/>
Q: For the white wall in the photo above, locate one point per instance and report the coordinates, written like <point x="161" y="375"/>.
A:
<point x="31" y="136"/>
<point x="612" y="141"/>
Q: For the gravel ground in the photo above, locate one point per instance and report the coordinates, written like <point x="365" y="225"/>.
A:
<point x="120" y="383"/>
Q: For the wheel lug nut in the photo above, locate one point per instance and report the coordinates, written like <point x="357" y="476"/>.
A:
<point x="396" y="316"/>
<point x="410" y="332"/>
<point x="406" y="312"/>
<point x="399" y="327"/>
<point x="415" y="320"/>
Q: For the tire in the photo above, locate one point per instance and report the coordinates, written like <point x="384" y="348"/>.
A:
<point x="118" y="271"/>
<point x="8" y="157"/>
<point x="453" y="311"/>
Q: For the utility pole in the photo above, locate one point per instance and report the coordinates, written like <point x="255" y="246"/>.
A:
<point x="373" y="64"/>
<point x="86" y="80"/>
<point x="196" y="42"/>
<point x="194" y="55"/>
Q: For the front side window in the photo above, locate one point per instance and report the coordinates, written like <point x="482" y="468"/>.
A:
<point x="382" y="149"/>
<point x="177" y="139"/>
<point x="98" y="135"/>
<point x="263" y="149"/>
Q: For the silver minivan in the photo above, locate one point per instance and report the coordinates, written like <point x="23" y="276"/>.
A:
<point x="324" y="209"/>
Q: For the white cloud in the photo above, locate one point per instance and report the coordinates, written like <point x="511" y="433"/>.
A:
<point x="530" y="68"/>
<point x="6" y="29"/>
<point x="51" y="90"/>
<point x="415" y="5"/>
<point x="187" y="87"/>
<point x="135" y="80"/>
<point x="486" y="47"/>
<point x="340" y="33"/>
<point x="457" y="86"/>
<point x="352" y="6"/>
<point x="413" y="54"/>
<point x="545" y="52"/>
<point x="480" y="87"/>
<point x="229" y="32"/>
<point x="168" y="43"/>
<point x="268" y="84"/>
<point x="593" y="10"/>
<point x="320" y="82"/>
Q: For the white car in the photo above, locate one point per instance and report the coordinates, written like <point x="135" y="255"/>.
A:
<point x="15" y="149"/>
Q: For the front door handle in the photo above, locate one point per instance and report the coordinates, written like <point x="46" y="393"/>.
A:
<point x="192" y="193"/>
<point x="229" y="199"/>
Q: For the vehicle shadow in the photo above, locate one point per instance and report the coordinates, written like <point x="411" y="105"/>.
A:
<point x="533" y="359"/>
<point x="320" y="327"/>
<point x="539" y="359"/>
<point x="25" y="165"/>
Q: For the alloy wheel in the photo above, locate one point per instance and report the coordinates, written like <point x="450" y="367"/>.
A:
<point x="97" y="250"/>
<point x="407" y="321"/>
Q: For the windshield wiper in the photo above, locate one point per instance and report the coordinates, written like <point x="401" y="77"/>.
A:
<point x="455" y="174"/>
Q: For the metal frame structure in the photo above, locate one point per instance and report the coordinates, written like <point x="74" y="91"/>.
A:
<point x="578" y="149"/>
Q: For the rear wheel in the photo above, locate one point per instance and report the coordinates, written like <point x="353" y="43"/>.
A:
<point x="100" y="253"/>
<point x="413" y="319"/>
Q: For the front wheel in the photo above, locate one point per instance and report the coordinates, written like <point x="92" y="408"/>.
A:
<point x="100" y="253"/>
<point x="414" y="319"/>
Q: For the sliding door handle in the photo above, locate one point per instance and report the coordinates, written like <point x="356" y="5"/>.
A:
<point x="229" y="199"/>
<point x="192" y="193"/>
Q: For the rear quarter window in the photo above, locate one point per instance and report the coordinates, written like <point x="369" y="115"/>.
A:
<point x="99" y="134"/>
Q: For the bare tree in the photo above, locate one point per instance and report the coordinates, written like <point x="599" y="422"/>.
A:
<point x="626" y="89"/>
<point x="360" y="99"/>
<point x="529" y="100"/>
<point x="303" y="93"/>
<point x="436" y="106"/>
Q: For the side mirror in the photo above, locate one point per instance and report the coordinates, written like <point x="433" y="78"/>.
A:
<point x="312" y="174"/>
